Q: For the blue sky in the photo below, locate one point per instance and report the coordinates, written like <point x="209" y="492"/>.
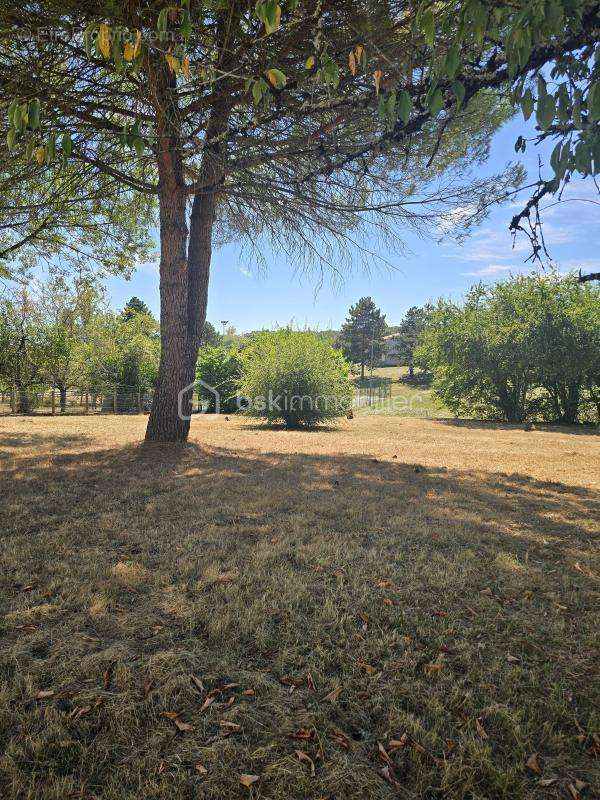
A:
<point x="250" y="296"/>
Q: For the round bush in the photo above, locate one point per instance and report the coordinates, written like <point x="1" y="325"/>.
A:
<point x="294" y="377"/>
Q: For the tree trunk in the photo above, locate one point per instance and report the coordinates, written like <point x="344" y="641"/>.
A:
<point x="184" y="266"/>
<point x="170" y="405"/>
<point x="570" y="403"/>
<point x="24" y="400"/>
<point x="63" y="399"/>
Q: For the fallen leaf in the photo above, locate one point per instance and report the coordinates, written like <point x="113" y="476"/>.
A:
<point x="310" y="682"/>
<point x="340" y="738"/>
<point x="229" y="686"/>
<point x="248" y="780"/>
<point x="44" y="694"/>
<point x="383" y="755"/>
<point x="221" y="579"/>
<point x="487" y="592"/>
<point x="197" y="683"/>
<point x="512" y="659"/>
<point x="369" y="668"/>
<point x="376" y="81"/>
<point x="302" y="756"/>
<point x="208" y="702"/>
<point x="183" y="726"/>
<point x="231" y="726"/>
<point x="398" y="744"/>
<point x="480" y="729"/>
<point x="248" y="692"/>
<point x="332" y="696"/>
<point x="533" y="764"/>
<point x="388" y="775"/>
<point x="80" y="712"/>
<point x="546" y="782"/>
<point x="574" y="792"/>
<point x="201" y="769"/>
<point x="303" y="733"/>
<point x="107" y="677"/>
<point x="172" y="715"/>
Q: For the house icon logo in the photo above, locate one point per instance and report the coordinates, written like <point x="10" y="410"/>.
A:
<point x="183" y="398"/>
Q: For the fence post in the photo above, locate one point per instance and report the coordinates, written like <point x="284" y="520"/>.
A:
<point x="139" y="401"/>
<point x="53" y="401"/>
<point x="13" y="399"/>
<point x="115" y="400"/>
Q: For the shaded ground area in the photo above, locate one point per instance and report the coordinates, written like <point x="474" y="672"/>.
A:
<point x="405" y="608"/>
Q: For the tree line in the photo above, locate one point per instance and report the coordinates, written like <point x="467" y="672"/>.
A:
<point x="525" y="348"/>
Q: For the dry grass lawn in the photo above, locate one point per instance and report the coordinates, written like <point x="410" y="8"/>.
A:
<point x="395" y="608"/>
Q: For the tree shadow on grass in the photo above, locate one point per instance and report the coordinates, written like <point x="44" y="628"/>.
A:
<point x="540" y="427"/>
<point x="243" y="567"/>
<point x="488" y="509"/>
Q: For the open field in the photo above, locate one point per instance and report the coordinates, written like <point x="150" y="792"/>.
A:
<point x="394" y="608"/>
<point x="409" y="398"/>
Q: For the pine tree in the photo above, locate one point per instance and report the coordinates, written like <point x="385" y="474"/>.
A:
<point x="362" y="333"/>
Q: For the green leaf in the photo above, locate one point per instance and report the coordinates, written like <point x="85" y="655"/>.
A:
<point x="545" y="111"/>
<point x="11" y="112"/>
<point x="66" y="144"/>
<point x="276" y="78"/>
<point x="404" y="106"/>
<point x="583" y="157"/>
<point x="562" y="96"/>
<point x="593" y="102"/>
<point x="436" y="102"/>
<point x="427" y="25"/>
<point x="527" y="104"/>
<point x="555" y="160"/>
<point x="139" y="146"/>
<point x="459" y="92"/>
<point x="34" y="114"/>
<point x="88" y="38"/>
<point x="258" y="90"/>
<point x="51" y="148"/>
<point x="452" y="62"/>
<point x="11" y="138"/>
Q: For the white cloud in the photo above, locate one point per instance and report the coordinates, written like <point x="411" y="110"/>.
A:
<point x="491" y="269"/>
<point x="149" y="267"/>
<point x="455" y="217"/>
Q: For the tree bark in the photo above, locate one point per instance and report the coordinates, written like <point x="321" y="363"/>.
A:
<point x="167" y="421"/>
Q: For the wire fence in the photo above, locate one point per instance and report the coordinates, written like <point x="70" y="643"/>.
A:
<point x="76" y="400"/>
<point x="119" y="399"/>
<point x="370" y="390"/>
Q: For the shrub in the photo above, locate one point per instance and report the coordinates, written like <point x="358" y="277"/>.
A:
<point x="219" y="367"/>
<point x="528" y="348"/>
<point x="296" y="377"/>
